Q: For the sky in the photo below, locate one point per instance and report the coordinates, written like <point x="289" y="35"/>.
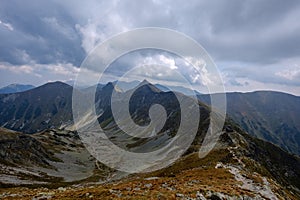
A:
<point x="255" y="44"/>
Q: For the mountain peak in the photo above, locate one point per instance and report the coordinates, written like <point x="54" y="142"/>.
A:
<point x="111" y="86"/>
<point x="54" y="85"/>
<point x="148" y="86"/>
<point x="145" y="82"/>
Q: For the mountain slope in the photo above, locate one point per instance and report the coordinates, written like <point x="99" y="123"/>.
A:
<point x="13" y="88"/>
<point x="17" y="148"/>
<point x="51" y="157"/>
<point x="272" y="116"/>
<point x="38" y="109"/>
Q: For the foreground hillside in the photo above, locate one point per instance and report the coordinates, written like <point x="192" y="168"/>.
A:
<point x="239" y="167"/>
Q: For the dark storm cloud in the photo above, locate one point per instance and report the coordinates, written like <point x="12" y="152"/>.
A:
<point x="252" y="31"/>
<point x="43" y="33"/>
<point x="261" y="36"/>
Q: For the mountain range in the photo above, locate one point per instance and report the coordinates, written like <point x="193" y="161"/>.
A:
<point x="40" y="147"/>
<point x="272" y="116"/>
<point x="13" y="88"/>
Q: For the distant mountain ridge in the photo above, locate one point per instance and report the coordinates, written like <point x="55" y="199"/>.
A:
<point x="272" y="116"/>
<point x="13" y="88"/>
<point x="125" y="86"/>
<point x="181" y="89"/>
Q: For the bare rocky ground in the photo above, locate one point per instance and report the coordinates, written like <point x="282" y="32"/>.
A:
<point x="179" y="181"/>
<point x="43" y="158"/>
<point x="67" y="171"/>
<point x="190" y="184"/>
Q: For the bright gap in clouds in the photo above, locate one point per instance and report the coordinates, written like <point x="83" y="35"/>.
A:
<point x="158" y="67"/>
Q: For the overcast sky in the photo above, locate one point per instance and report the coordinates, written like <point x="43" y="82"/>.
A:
<point x="255" y="43"/>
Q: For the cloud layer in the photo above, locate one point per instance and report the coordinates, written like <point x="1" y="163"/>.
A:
<point x="254" y="43"/>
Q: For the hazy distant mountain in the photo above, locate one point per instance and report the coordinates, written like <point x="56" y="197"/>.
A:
<point x="123" y="85"/>
<point x="165" y="88"/>
<point x="13" y="88"/>
<point x="183" y="90"/>
<point x="273" y="116"/>
<point x="70" y="82"/>
<point x="93" y="88"/>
